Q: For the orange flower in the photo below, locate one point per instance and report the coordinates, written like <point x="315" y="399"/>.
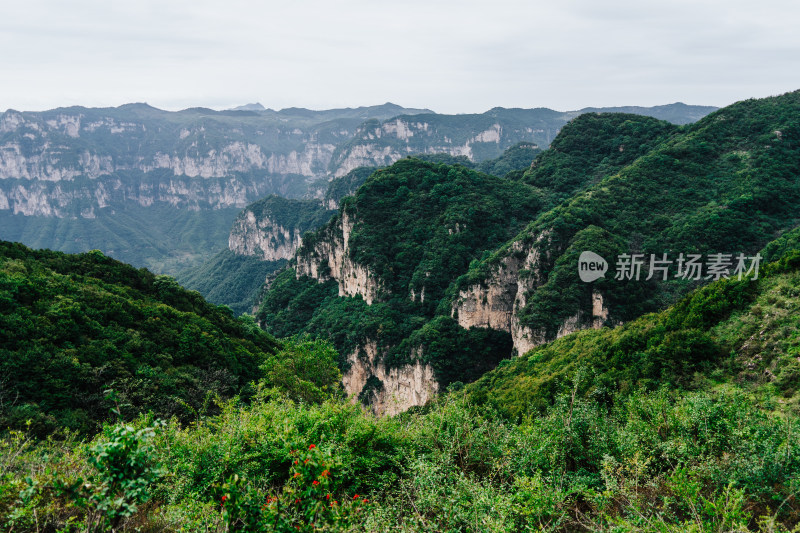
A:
<point x="297" y="474"/>
<point x="325" y="473"/>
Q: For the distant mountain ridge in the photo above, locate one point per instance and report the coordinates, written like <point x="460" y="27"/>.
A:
<point x="83" y="166"/>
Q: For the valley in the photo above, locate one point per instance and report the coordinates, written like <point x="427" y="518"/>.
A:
<point x="405" y="342"/>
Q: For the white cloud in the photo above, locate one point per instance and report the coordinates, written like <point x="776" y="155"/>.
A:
<point x="450" y="56"/>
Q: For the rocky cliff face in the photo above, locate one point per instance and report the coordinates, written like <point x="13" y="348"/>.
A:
<point x="329" y="258"/>
<point x="383" y="144"/>
<point x="396" y="390"/>
<point x="272" y="228"/>
<point x="264" y="238"/>
<point x="496" y="302"/>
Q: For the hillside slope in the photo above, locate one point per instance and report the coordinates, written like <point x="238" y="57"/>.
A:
<point x="743" y="332"/>
<point x="727" y="184"/>
<point x="72" y="326"/>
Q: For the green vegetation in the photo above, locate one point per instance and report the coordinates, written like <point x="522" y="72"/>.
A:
<point x="727" y="184"/>
<point x="679" y="421"/>
<point x="346" y="185"/>
<point x="301" y="215"/>
<point x="230" y="279"/>
<point x="645" y="461"/>
<point x="517" y="158"/>
<point x="72" y="326"/>
<point x="594" y="146"/>
<point x="418" y="226"/>
<point x="514" y="160"/>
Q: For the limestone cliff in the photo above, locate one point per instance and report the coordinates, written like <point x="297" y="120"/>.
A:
<point x="496" y="301"/>
<point x="272" y="228"/>
<point x="396" y="389"/>
<point x="265" y="238"/>
<point x="329" y="258"/>
<point x="383" y="144"/>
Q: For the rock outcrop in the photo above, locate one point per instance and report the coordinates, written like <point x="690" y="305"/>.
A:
<point x="495" y="303"/>
<point x="264" y="238"/>
<point x="397" y="388"/>
<point x="329" y="258"/>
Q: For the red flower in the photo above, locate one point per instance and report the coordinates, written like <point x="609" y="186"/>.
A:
<point x="297" y="474"/>
<point x="311" y="447"/>
<point x="224" y="498"/>
<point x="297" y="500"/>
<point x="355" y="497"/>
<point x="328" y="496"/>
<point x="365" y="500"/>
<point x="316" y="482"/>
<point x="325" y="473"/>
<point x="296" y="461"/>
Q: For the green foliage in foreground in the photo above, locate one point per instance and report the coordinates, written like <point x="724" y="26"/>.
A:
<point x="705" y="449"/>
<point x="72" y="326"/>
<point x="658" y="461"/>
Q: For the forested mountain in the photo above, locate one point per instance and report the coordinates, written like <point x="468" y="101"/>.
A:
<point x="77" y="178"/>
<point x="447" y="293"/>
<point x="74" y="326"/>
<point x="727" y="184"/>
<point x="269" y="231"/>
<point x="396" y="245"/>
<point x="415" y="287"/>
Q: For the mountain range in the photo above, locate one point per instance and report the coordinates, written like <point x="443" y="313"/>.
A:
<point x="119" y="179"/>
<point x="436" y="342"/>
<point x="430" y="273"/>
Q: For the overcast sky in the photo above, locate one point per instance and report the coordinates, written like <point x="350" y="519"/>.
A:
<point x="449" y="56"/>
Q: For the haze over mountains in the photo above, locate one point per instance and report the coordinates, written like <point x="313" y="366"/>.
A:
<point x="134" y="180"/>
